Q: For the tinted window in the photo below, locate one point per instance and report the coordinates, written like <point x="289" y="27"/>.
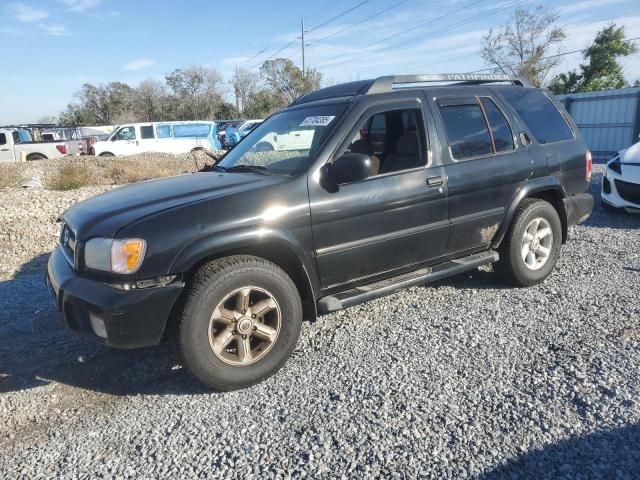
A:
<point x="163" y="131"/>
<point x="191" y="130"/>
<point x="541" y="116"/>
<point x="467" y="131"/>
<point x="3" y="139"/>
<point x="146" y="131"/>
<point x="500" y="129"/>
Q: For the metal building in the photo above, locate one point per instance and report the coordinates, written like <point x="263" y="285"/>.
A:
<point x="609" y="119"/>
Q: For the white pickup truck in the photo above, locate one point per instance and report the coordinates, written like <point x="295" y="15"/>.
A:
<point x="11" y="148"/>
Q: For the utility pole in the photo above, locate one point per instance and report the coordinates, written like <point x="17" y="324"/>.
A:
<point x="302" y="37"/>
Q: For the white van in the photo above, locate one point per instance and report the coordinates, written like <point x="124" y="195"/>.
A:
<point x="165" y="137"/>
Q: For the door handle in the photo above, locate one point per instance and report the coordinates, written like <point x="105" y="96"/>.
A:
<point x="4" y="150"/>
<point x="524" y="139"/>
<point x="435" y="181"/>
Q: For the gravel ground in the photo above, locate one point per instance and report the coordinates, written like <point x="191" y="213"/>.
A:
<point x="463" y="378"/>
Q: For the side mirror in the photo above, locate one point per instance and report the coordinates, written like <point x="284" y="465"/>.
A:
<point x="349" y="168"/>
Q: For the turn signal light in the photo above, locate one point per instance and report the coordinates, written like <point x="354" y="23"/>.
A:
<point x="589" y="162"/>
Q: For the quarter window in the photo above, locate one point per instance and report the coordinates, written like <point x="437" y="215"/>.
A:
<point x="467" y="130"/>
<point x="146" y="132"/>
<point x="500" y="130"/>
<point x="540" y="114"/>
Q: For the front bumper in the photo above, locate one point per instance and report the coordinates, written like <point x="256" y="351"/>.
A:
<point x="629" y="198"/>
<point x="116" y="317"/>
<point x="578" y="208"/>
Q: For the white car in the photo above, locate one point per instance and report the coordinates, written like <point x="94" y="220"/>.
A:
<point x="13" y="149"/>
<point x="165" y="137"/>
<point x="621" y="180"/>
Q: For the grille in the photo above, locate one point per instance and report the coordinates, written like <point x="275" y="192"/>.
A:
<point x="68" y="243"/>
<point x="628" y="191"/>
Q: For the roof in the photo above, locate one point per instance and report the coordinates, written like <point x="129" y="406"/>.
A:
<point x="393" y="82"/>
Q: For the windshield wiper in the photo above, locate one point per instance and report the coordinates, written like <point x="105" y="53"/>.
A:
<point x="247" y="168"/>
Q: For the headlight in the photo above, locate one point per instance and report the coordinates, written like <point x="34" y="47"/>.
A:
<point x="616" y="166"/>
<point x="112" y="255"/>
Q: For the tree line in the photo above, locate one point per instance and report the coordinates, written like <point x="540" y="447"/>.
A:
<point x="193" y="93"/>
<point x="529" y="44"/>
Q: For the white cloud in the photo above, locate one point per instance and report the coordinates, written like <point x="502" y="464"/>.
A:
<point x="80" y="6"/>
<point x="53" y="29"/>
<point x="25" y="13"/>
<point x="586" y="5"/>
<point x="139" y="64"/>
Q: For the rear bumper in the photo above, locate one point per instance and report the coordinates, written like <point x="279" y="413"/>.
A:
<point x="578" y="208"/>
<point x="113" y="316"/>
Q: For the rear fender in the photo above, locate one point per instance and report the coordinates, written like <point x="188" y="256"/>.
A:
<point x="547" y="188"/>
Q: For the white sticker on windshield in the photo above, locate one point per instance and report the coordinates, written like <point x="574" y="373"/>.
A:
<point x="321" y="121"/>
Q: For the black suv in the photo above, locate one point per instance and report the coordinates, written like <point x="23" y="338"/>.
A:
<point x="352" y="192"/>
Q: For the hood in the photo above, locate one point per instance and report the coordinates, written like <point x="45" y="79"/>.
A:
<point x="107" y="213"/>
<point x="631" y="154"/>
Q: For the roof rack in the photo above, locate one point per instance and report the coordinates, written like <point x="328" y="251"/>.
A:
<point x="386" y="84"/>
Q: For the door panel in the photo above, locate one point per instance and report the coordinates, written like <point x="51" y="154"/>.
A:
<point x="382" y="224"/>
<point x="481" y="185"/>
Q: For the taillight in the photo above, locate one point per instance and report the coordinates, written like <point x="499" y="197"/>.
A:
<point x="589" y="163"/>
<point x="62" y="149"/>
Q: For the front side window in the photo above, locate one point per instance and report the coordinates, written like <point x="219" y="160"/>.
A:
<point x="126" y="133"/>
<point x="146" y="132"/>
<point x="394" y="140"/>
<point x="286" y="142"/>
<point x="3" y="139"/>
<point x="467" y="131"/>
<point x="540" y="114"/>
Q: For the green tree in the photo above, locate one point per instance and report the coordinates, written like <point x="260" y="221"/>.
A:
<point x="106" y="103"/>
<point x="603" y="70"/>
<point x="287" y="81"/>
<point x="76" y="116"/>
<point x="196" y="92"/>
<point x="262" y="104"/>
<point x="524" y="45"/>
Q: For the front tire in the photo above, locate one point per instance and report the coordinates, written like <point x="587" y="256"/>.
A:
<point x="531" y="247"/>
<point x="241" y="321"/>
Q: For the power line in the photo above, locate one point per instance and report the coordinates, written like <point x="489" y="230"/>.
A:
<point x="469" y="55"/>
<point x="323" y="24"/>
<point x="475" y="2"/>
<point x="349" y="27"/>
<point x="429" y="34"/>
<point x="333" y="19"/>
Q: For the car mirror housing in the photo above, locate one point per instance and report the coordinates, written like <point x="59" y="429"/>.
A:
<point x="349" y="168"/>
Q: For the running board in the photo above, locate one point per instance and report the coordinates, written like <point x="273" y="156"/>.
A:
<point x="371" y="291"/>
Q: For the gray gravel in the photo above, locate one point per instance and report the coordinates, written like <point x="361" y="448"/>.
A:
<point x="463" y="378"/>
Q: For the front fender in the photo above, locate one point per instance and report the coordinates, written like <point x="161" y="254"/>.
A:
<point x="532" y="187"/>
<point x="277" y="240"/>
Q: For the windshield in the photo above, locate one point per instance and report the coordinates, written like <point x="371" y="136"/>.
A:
<point x="285" y="143"/>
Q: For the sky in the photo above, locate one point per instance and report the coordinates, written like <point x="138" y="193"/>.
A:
<point x="60" y="44"/>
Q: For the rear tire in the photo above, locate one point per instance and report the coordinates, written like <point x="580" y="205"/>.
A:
<point x="531" y="247"/>
<point x="35" y="157"/>
<point x="241" y="321"/>
<point x="106" y="154"/>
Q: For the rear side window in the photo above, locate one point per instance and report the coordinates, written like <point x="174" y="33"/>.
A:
<point x="3" y="139"/>
<point x="163" y="131"/>
<point x="467" y="131"/>
<point x="146" y="131"/>
<point x="500" y="130"/>
<point x="193" y="130"/>
<point x="540" y="114"/>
